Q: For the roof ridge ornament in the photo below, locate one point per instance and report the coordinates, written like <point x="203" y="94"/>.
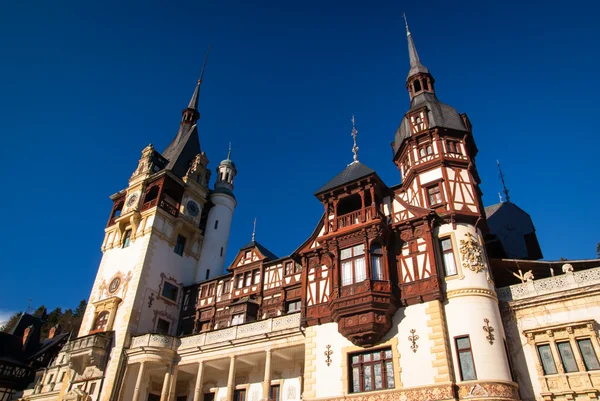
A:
<point x="354" y="134"/>
<point x="254" y="231"/>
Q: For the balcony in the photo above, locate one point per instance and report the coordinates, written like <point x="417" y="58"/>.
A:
<point x="91" y="349"/>
<point x="232" y="335"/>
<point x="549" y="285"/>
<point x="359" y="216"/>
<point x="15" y="375"/>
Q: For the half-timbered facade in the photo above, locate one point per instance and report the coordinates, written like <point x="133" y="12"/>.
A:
<point x="391" y="297"/>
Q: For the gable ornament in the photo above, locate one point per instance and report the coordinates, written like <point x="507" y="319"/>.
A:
<point x="472" y="253"/>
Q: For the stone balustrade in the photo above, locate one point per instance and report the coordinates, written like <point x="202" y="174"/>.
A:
<point x="261" y="327"/>
<point x="549" y="285"/>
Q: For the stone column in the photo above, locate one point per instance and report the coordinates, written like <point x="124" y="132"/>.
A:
<point x="138" y="382"/>
<point x="173" y="385"/>
<point x="164" y="395"/>
<point x="231" y="379"/>
<point x="198" y="387"/>
<point x="266" y="384"/>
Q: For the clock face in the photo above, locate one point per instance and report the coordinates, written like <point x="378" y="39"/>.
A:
<point x="114" y="285"/>
<point x="193" y="208"/>
<point x="132" y="200"/>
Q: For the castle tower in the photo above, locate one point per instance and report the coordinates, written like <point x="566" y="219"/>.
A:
<point x="150" y="251"/>
<point x="218" y="224"/>
<point x="441" y="256"/>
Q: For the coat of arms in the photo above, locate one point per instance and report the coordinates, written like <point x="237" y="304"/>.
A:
<point x="472" y="253"/>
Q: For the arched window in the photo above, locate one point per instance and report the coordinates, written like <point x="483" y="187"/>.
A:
<point x="376" y="262"/>
<point x="151" y="194"/>
<point x="422" y="152"/>
<point x="425" y="85"/>
<point x="429" y="149"/>
<point x="417" y="86"/>
<point x="117" y="211"/>
<point x="101" y="321"/>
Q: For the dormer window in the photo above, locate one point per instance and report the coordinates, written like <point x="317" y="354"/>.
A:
<point x="417" y="122"/>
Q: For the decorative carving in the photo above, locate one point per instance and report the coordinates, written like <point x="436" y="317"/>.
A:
<point x="150" y="300"/>
<point x="413" y="339"/>
<point x="567" y="268"/>
<point x="489" y="330"/>
<point x="328" y="354"/>
<point x="472" y="253"/>
<point x="528" y="276"/>
<point x="493" y="390"/>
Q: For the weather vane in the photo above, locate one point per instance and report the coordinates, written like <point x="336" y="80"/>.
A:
<point x="354" y="133"/>
<point x="229" y="153"/>
<point x="505" y="190"/>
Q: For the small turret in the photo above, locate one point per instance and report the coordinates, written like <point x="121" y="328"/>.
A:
<point x="226" y="172"/>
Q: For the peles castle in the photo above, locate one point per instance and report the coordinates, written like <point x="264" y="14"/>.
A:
<point x="411" y="292"/>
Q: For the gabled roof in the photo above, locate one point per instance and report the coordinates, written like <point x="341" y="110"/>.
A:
<point x="352" y="172"/>
<point x="268" y="254"/>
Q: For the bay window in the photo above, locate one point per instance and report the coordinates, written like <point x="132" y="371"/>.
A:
<point x="376" y="262"/>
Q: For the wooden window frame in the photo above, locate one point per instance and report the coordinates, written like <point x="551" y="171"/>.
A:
<point x="105" y="314"/>
<point x="352" y="259"/>
<point x="464" y="350"/>
<point x="439" y="192"/>
<point x="361" y="364"/>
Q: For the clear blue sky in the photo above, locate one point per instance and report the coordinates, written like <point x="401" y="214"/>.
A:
<point x="85" y="86"/>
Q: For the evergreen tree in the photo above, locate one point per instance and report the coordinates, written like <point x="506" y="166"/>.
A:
<point x="11" y="322"/>
<point x="598" y="250"/>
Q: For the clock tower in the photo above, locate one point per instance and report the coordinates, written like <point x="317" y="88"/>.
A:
<point x="151" y="249"/>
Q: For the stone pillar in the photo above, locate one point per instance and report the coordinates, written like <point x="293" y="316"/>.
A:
<point x="164" y="395"/>
<point x="266" y="384"/>
<point x="231" y="379"/>
<point x="138" y="382"/>
<point x="198" y="387"/>
<point x="173" y="385"/>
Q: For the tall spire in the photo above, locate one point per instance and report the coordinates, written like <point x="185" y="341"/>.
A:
<point x="415" y="63"/>
<point x="195" y="96"/>
<point x="354" y="134"/>
<point x="504" y="189"/>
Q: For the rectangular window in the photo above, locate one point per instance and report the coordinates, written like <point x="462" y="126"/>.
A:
<point x="274" y="393"/>
<point x="237" y="319"/>
<point x="170" y="291"/>
<point x="203" y="292"/>
<point x="247" y="279"/>
<point x="297" y="268"/>
<point x="247" y="254"/>
<point x="353" y="265"/>
<point x="239" y="395"/>
<point x="207" y="274"/>
<point x="216" y="224"/>
<point x="126" y="238"/>
<point x="448" y="257"/>
<point x="376" y="262"/>
<point x="465" y="358"/>
<point x="256" y="278"/>
<point x="92" y="389"/>
<point x="162" y="326"/>
<point x="433" y="195"/>
<point x="589" y="355"/>
<point x="289" y="268"/>
<point x="225" y="287"/>
<point x="453" y="147"/>
<point x="567" y="357"/>
<point x="240" y="281"/>
<point x="371" y="371"/>
<point x="179" y="245"/>
<point x="547" y="359"/>
<point x="221" y="251"/>
<point x="211" y="290"/>
<point x="293" y="306"/>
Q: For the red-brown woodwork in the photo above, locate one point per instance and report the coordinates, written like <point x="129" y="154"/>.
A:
<point x="118" y="204"/>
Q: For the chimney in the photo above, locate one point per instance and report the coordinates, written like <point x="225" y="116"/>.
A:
<point x="26" y="333"/>
<point x="54" y="331"/>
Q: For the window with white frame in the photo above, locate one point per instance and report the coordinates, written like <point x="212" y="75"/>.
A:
<point x="354" y="269"/>
<point x="448" y="257"/>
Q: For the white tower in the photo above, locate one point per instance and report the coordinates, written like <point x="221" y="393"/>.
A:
<point x="218" y="224"/>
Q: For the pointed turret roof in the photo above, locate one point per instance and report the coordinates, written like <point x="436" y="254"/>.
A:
<point x="194" y="100"/>
<point x="415" y="63"/>
<point x="184" y="147"/>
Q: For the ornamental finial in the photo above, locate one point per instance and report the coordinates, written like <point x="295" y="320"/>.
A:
<point x="504" y="189"/>
<point x="354" y="133"/>
<point x="229" y="153"/>
<point x="254" y="231"/>
<point x="406" y="24"/>
<point x="204" y="66"/>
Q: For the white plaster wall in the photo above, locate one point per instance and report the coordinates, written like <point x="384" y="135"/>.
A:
<point x="328" y="378"/>
<point x="465" y="316"/>
<point x="210" y="255"/>
<point x="431" y="175"/>
<point x="417" y="368"/>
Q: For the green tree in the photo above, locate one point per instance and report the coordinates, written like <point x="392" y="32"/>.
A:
<point x="598" y="250"/>
<point x="11" y="322"/>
